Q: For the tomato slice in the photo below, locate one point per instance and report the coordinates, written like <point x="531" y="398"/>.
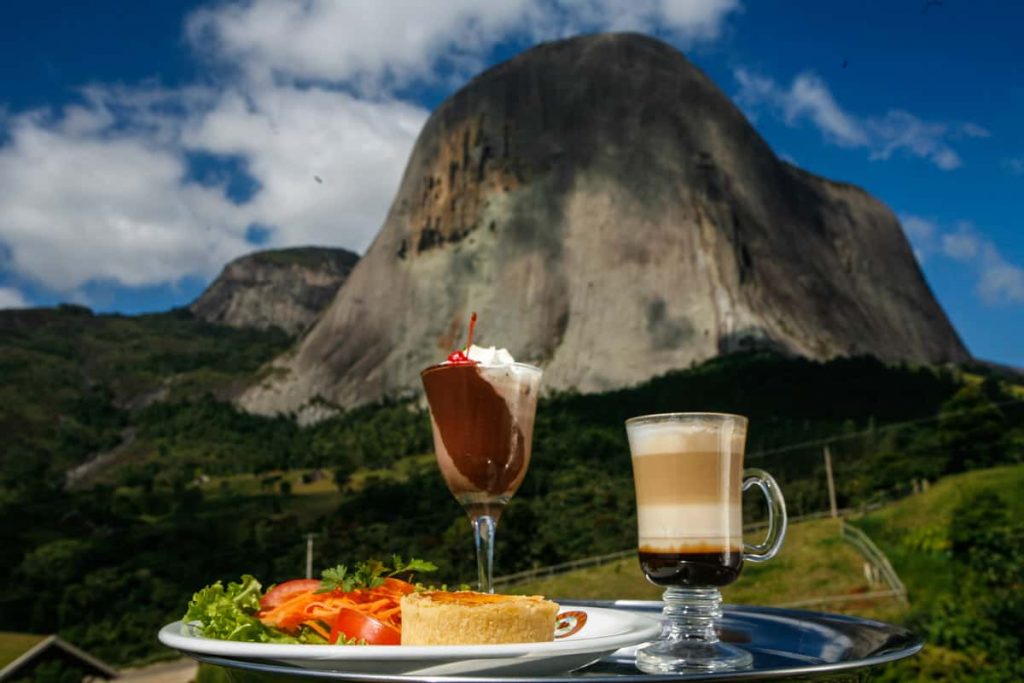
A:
<point x="353" y="624"/>
<point x="289" y="589"/>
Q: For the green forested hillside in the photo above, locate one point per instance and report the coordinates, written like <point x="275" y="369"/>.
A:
<point x="190" y="490"/>
<point x="959" y="548"/>
<point x="71" y="382"/>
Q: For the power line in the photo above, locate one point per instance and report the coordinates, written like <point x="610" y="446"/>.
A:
<point x="885" y="428"/>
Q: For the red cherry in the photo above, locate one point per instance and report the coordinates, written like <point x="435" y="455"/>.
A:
<point x="460" y="358"/>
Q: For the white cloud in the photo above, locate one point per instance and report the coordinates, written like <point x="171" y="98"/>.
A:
<point x="973" y="130"/>
<point x="88" y="196"/>
<point x="84" y="199"/>
<point x="1001" y="281"/>
<point x="921" y="233"/>
<point x="12" y="298"/>
<point x="374" y="45"/>
<point x="1014" y="165"/>
<point x="998" y="280"/>
<point x="369" y="43"/>
<point x="81" y="201"/>
<point x="899" y="130"/>
<point x="963" y="245"/>
<point x="101" y="191"/>
<point x="809" y="98"/>
<point x="694" y="20"/>
<point x="290" y="137"/>
<point x="919" y="230"/>
<point x="688" y="21"/>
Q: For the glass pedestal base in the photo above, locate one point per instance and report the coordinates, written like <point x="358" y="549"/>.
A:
<point x="667" y="657"/>
<point x="689" y="642"/>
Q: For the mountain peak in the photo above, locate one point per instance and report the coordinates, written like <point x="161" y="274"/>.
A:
<point x="284" y="288"/>
<point x="612" y="216"/>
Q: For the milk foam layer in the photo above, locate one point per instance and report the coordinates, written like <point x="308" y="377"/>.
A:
<point x="682" y="527"/>
<point x="652" y="439"/>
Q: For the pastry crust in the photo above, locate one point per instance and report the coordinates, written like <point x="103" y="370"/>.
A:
<point x="470" y="618"/>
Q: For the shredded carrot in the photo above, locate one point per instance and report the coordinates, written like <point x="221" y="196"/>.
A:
<point x="319" y="611"/>
<point x="388" y="613"/>
<point x="313" y="624"/>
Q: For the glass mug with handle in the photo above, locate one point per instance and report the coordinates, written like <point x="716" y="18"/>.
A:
<point x="689" y="478"/>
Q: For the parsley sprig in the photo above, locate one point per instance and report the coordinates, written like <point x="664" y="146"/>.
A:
<point x="369" y="574"/>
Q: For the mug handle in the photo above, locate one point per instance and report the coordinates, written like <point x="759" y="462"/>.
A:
<point x="777" y="519"/>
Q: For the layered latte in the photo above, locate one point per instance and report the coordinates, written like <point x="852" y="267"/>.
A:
<point x="688" y="477"/>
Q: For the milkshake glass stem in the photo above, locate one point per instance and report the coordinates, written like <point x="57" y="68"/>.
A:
<point x="483" y="533"/>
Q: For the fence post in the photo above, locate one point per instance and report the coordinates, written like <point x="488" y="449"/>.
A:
<point x="309" y="556"/>
<point x="831" y="483"/>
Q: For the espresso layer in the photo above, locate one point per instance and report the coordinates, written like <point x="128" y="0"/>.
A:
<point x="477" y="432"/>
<point x="692" y="569"/>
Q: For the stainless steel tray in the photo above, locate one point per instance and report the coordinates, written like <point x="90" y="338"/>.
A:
<point x="786" y="644"/>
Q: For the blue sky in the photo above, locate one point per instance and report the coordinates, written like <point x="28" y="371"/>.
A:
<point x="144" y="144"/>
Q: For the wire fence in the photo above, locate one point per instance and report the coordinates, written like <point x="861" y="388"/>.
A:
<point x="874" y="555"/>
<point x="552" y="570"/>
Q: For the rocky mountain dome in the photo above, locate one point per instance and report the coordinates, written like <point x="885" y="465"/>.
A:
<point x="285" y="288"/>
<point x="611" y="215"/>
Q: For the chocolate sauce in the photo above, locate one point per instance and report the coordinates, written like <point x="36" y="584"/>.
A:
<point x="692" y="569"/>
<point x="480" y="436"/>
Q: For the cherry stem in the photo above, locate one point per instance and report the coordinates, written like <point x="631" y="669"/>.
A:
<point x="472" y="325"/>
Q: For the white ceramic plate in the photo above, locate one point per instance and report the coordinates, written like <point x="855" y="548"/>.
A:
<point x="605" y="631"/>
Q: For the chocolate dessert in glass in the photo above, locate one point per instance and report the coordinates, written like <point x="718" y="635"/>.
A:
<point x="482" y="407"/>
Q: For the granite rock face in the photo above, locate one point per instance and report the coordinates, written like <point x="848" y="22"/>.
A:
<point x="610" y="215"/>
<point x="285" y="288"/>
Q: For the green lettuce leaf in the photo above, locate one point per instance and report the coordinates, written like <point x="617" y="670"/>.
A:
<point x="230" y="613"/>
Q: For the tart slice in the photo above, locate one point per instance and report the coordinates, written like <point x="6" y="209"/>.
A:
<point x="470" y="618"/>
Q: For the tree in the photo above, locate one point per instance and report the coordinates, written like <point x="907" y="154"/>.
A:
<point x="972" y="430"/>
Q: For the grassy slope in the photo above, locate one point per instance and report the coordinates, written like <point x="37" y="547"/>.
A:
<point x="13" y="645"/>
<point x="912" y="532"/>
<point x="814" y="563"/>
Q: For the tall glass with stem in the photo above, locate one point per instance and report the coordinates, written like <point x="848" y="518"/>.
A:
<point x="482" y="417"/>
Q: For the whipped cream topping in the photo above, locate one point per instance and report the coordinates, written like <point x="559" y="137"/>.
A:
<point x="490" y="355"/>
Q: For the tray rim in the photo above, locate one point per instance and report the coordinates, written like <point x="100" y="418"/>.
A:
<point x="914" y="645"/>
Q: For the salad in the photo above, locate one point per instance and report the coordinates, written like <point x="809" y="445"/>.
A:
<point x="358" y="607"/>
